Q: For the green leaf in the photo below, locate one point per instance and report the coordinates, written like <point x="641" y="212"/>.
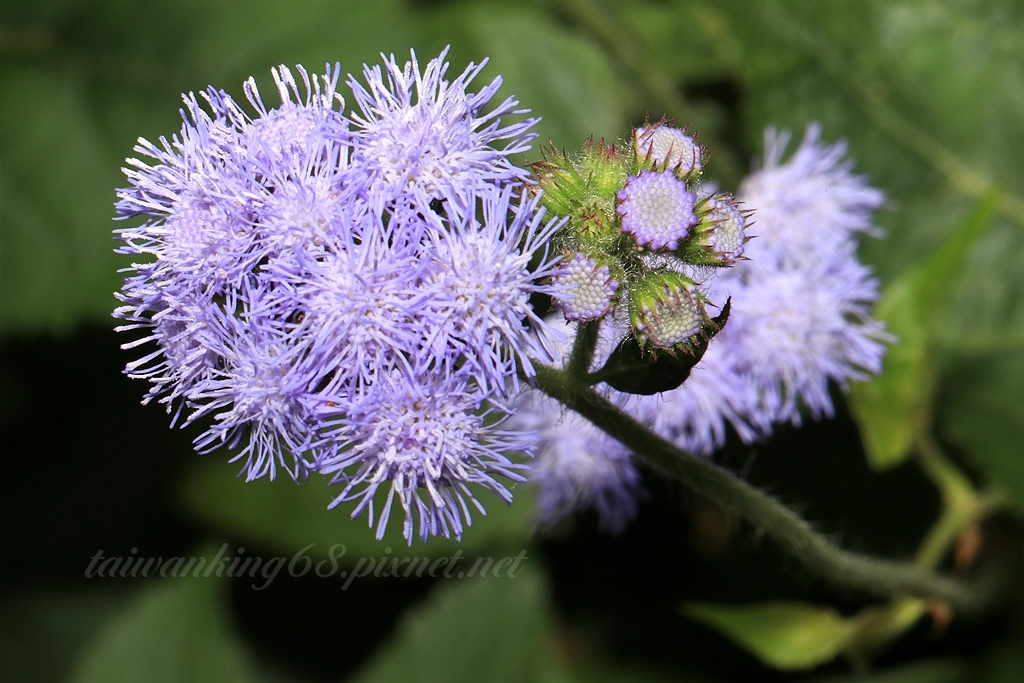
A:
<point x="286" y="517"/>
<point x="563" y="78"/>
<point x="786" y="635"/>
<point x="893" y="406"/>
<point x="176" y="630"/>
<point x="634" y="369"/>
<point x="57" y="182"/>
<point x="983" y="412"/>
<point x="604" y="671"/>
<point x="44" y="631"/>
<point x="1002" y="665"/>
<point x="877" y="627"/>
<point x="471" y="630"/>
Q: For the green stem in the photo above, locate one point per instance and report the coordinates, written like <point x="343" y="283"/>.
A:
<point x="961" y="504"/>
<point x="583" y="348"/>
<point x="883" y="578"/>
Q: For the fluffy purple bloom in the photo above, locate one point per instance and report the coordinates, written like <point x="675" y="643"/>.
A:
<point x="794" y="330"/>
<point x="578" y="467"/>
<point x="258" y="402"/>
<point x="657" y="209"/>
<point x="424" y="437"/>
<point x="800" y="305"/>
<point x="809" y="207"/>
<point x="481" y="284"/>
<point x="221" y="205"/>
<point x="298" y="298"/>
<point x="417" y="134"/>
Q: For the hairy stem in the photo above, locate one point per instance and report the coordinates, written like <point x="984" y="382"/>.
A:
<point x="583" y="348"/>
<point x="878" y="577"/>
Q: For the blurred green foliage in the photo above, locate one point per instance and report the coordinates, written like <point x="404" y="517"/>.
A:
<point x="928" y="93"/>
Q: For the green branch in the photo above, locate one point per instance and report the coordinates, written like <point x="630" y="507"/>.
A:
<point x="878" y="577"/>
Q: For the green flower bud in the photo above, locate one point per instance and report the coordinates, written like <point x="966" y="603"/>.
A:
<point x="720" y="233"/>
<point x="659" y="147"/>
<point x="666" y="310"/>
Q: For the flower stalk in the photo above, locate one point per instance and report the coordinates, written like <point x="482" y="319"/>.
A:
<point x="820" y="556"/>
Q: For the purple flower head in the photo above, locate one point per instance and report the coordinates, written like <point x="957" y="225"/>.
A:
<point x="318" y="317"/>
<point x="480" y="286"/>
<point x="258" y="402"/>
<point x="579" y="467"/>
<point x="809" y="206"/>
<point x="419" y="135"/>
<point x="668" y="148"/>
<point x="792" y="331"/>
<point x="588" y="289"/>
<point x="657" y="209"/>
<point x="800" y="303"/>
<point x="291" y="135"/>
<point x="428" y="439"/>
<point x="187" y="344"/>
<point x="228" y="203"/>
<point x="360" y="307"/>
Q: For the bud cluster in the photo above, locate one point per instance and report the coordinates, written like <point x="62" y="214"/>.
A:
<point x="641" y="236"/>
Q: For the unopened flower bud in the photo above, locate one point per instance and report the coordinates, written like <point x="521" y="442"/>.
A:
<point x="719" y="237"/>
<point x="661" y="146"/>
<point x="666" y="310"/>
<point x="590" y="288"/>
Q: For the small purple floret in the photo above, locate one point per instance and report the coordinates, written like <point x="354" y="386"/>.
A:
<point x="657" y="209"/>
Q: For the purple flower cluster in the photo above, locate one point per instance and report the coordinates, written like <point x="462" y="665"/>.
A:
<point x="639" y="233"/>
<point x="344" y="293"/>
<point x="799" y="321"/>
<point x="801" y="303"/>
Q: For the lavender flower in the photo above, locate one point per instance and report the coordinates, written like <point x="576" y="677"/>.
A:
<point x="795" y="330"/>
<point x="425" y="437"/>
<point x="800" y="305"/>
<point x="302" y="289"/>
<point x="420" y="135"/>
<point x="221" y="205"/>
<point x="657" y="209"/>
<point x="579" y="467"/>
<point x="809" y="207"/>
